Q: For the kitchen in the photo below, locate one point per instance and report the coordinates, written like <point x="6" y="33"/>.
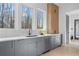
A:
<point x="38" y="29"/>
<point x="27" y="29"/>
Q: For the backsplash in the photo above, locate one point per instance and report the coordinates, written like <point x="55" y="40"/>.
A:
<point x="16" y="32"/>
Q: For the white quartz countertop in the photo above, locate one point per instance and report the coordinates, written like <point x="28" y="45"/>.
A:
<point x="24" y="37"/>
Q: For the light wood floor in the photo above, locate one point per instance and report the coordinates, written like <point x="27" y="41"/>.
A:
<point x="63" y="51"/>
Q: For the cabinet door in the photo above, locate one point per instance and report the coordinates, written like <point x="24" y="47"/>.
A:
<point x="57" y="41"/>
<point x="7" y="48"/>
<point x="52" y="42"/>
<point x="21" y="48"/>
<point x="32" y="47"/>
<point x="40" y="45"/>
<point x="26" y="47"/>
<point x="47" y="43"/>
<point x="52" y="18"/>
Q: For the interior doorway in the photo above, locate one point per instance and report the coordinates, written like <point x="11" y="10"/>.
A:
<point x="67" y="29"/>
<point x="76" y="29"/>
<point x="75" y="41"/>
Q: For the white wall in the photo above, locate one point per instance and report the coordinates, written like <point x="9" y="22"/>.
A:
<point x="17" y="31"/>
<point x="63" y="9"/>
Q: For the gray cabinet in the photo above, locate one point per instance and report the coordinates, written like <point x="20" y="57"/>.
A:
<point x="57" y="41"/>
<point x="32" y="47"/>
<point x="29" y="47"/>
<point x="47" y="43"/>
<point x="40" y="46"/>
<point x="26" y="47"/>
<point x="7" y="48"/>
<point x="21" y="47"/>
<point x="52" y="43"/>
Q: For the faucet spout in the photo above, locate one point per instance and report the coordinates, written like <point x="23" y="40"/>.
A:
<point x="29" y="31"/>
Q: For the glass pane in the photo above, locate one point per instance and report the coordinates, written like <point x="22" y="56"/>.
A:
<point x="0" y="15"/>
<point x="39" y="19"/>
<point x="26" y="17"/>
<point x="6" y="15"/>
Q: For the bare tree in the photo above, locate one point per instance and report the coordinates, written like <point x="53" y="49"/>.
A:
<point x="2" y="14"/>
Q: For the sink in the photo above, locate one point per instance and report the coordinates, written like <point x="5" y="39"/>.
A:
<point x="31" y="36"/>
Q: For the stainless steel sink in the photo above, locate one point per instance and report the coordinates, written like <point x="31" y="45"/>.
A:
<point x="31" y="36"/>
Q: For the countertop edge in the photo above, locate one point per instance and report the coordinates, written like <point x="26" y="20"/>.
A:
<point x="24" y="37"/>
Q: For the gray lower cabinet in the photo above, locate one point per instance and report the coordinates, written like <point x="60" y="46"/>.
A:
<point x="35" y="46"/>
<point x="57" y="41"/>
<point x="40" y="46"/>
<point x="26" y="47"/>
<point x="47" y="43"/>
<point x="7" y="48"/>
<point x="29" y="47"/>
<point x="52" y="42"/>
<point x="21" y="47"/>
<point x="32" y="47"/>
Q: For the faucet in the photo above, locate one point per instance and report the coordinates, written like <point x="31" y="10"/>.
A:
<point x="29" y="32"/>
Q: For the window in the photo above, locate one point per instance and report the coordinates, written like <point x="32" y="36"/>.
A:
<point x="39" y="18"/>
<point x="6" y="15"/>
<point x="26" y="17"/>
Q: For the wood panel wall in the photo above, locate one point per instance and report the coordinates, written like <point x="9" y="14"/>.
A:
<point x="52" y="19"/>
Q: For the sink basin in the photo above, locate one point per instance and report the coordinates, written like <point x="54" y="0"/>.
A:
<point x="31" y="36"/>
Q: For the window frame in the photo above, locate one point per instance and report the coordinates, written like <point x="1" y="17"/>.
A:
<point x="39" y="9"/>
